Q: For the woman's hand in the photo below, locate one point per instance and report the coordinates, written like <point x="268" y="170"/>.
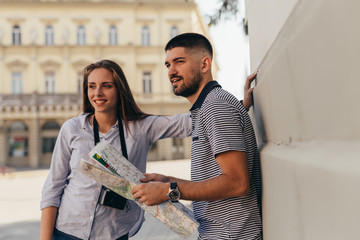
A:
<point x="154" y="177"/>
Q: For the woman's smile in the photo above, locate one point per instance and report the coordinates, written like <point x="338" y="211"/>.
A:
<point x="102" y="92"/>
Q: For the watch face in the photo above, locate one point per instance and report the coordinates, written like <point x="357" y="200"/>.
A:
<point x="174" y="195"/>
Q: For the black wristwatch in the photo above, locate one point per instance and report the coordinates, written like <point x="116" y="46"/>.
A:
<point x="174" y="193"/>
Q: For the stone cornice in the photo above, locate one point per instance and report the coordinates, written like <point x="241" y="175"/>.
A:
<point x="103" y="1"/>
<point x="49" y="63"/>
<point x="20" y="63"/>
<point x="158" y="5"/>
<point x="113" y="20"/>
<point x="16" y="20"/>
<point x="131" y="3"/>
<point x="49" y="19"/>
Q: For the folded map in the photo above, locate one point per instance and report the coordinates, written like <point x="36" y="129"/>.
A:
<point x="110" y="168"/>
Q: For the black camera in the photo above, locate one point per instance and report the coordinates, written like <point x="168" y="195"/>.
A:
<point x="112" y="199"/>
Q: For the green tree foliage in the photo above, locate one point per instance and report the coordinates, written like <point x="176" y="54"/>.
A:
<point x="228" y="9"/>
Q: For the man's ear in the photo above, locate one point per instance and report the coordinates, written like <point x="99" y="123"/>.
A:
<point x="205" y="64"/>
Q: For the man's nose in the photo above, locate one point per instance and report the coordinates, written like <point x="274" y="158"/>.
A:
<point x="171" y="71"/>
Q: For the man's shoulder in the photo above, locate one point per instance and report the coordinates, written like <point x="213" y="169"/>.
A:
<point x="221" y="97"/>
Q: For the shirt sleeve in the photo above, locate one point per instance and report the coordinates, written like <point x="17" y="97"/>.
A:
<point x="177" y="126"/>
<point x="59" y="169"/>
<point x="223" y="126"/>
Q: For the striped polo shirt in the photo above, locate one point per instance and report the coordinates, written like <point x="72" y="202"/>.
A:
<point x="220" y="123"/>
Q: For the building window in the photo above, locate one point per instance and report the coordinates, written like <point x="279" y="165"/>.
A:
<point x="147" y="82"/>
<point x="50" y="82"/>
<point x="49" y="35"/>
<point x="48" y="144"/>
<point x="174" y="31"/>
<point x="18" y="141"/>
<point x="81" y="35"/>
<point x="113" y="36"/>
<point x="16" y="35"/>
<point x="50" y="130"/>
<point x="153" y="146"/>
<point x="177" y="148"/>
<point x="145" y="36"/>
<point x="16" y="82"/>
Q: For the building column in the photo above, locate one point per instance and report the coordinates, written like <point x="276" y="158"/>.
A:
<point x="34" y="143"/>
<point x="187" y="147"/>
<point x="166" y="151"/>
<point x="3" y="143"/>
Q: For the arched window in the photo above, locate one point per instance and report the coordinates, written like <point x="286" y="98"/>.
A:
<point x="16" y="35"/>
<point x="145" y="36"/>
<point x="51" y="125"/>
<point x="49" y="35"/>
<point x="81" y="35"/>
<point x="113" y="37"/>
<point x="174" y="31"/>
<point x="18" y="140"/>
<point x="18" y="127"/>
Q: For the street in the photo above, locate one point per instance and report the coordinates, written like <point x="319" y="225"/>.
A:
<point x="21" y="194"/>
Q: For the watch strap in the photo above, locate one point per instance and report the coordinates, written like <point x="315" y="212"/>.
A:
<point x="173" y="185"/>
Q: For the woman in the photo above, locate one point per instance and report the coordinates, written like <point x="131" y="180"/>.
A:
<point x="72" y="206"/>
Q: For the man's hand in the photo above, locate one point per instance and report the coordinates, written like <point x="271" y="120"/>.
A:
<point x="248" y="91"/>
<point x="152" y="193"/>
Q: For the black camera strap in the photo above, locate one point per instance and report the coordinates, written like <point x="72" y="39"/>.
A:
<point x="121" y="134"/>
<point x="116" y="201"/>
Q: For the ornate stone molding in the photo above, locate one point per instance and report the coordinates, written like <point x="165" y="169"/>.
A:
<point x="16" y="63"/>
<point x="113" y="20"/>
<point x="49" y="63"/>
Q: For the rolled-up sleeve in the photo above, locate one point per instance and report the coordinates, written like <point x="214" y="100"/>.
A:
<point x="59" y="170"/>
<point x="176" y="126"/>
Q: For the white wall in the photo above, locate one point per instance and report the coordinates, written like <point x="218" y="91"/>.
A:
<point x="267" y="18"/>
<point x="307" y="116"/>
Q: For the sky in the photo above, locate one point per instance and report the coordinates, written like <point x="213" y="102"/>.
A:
<point x="231" y="48"/>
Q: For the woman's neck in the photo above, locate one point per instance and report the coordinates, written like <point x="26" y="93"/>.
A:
<point x="105" y="121"/>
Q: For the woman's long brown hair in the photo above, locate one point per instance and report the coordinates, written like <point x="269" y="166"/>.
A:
<point x="127" y="109"/>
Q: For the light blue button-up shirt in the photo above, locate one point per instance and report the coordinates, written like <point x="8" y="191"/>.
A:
<point x="76" y="196"/>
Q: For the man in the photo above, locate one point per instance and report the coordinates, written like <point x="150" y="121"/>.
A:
<point x="225" y="169"/>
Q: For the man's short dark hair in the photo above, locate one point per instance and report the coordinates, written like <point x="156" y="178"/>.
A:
<point x="190" y="40"/>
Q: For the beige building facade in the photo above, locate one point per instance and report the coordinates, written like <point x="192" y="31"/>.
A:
<point x="307" y="116"/>
<point x="44" y="45"/>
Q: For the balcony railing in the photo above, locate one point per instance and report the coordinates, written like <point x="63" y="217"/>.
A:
<point x="39" y="99"/>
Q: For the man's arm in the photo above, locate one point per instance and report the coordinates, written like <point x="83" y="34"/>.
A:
<point x="248" y="91"/>
<point x="233" y="182"/>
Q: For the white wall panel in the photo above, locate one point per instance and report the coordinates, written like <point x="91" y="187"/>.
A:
<point x="307" y="116"/>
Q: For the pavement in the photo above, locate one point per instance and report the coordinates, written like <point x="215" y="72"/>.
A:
<point x="20" y="203"/>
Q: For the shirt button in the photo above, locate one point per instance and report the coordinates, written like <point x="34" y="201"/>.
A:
<point x="91" y="217"/>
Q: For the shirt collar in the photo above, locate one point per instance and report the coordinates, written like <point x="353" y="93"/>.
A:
<point x="85" y="123"/>
<point x="208" y="87"/>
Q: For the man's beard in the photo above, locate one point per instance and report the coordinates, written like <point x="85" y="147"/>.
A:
<point x="192" y="88"/>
